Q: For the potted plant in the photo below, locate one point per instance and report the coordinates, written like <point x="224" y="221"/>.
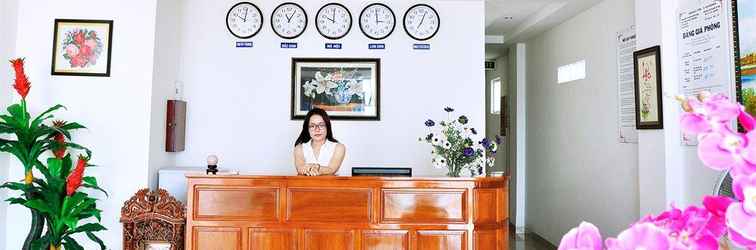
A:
<point x="54" y="200"/>
<point x="455" y="148"/>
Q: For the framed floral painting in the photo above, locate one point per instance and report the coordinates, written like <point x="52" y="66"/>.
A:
<point x="744" y="34"/>
<point x="648" y="96"/>
<point x="347" y="88"/>
<point x="82" y="47"/>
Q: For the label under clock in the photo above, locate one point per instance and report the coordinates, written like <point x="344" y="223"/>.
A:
<point x="333" y="46"/>
<point x="244" y="44"/>
<point x="377" y="46"/>
<point x="421" y="46"/>
<point x="288" y="45"/>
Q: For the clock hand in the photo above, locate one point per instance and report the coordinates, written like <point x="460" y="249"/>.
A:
<point x="246" y="11"/>
<point x="334" y="16"/>
<point x="421" y="20"/>
<point x="288" y="18"/>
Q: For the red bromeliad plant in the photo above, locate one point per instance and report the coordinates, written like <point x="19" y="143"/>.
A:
<point x="53" y="200"/>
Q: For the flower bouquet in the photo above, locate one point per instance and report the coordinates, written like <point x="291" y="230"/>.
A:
<point x="455" y="149"/>
<point x="336" y="88"/>
<point x="722" y="148"/>
<point x="55" y="201"/>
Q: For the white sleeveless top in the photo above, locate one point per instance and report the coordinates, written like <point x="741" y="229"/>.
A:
<point x="324" y="158"/>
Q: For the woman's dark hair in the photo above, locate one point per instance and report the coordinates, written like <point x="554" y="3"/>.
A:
<point x="304" y="136"/>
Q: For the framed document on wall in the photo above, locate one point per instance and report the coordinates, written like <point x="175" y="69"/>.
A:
<point x="347" y="88"/>
<point x="648" y="97"/>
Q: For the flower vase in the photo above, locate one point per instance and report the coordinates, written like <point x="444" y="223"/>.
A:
<point x="454" y="171"/>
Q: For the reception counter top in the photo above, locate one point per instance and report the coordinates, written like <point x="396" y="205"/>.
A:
<point x="340" y="212"/>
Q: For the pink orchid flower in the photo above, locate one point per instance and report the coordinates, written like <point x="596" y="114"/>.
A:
<point x="640" y="236"/>
<point x="584" y="237"/>
<point x="707" y="113"/>
<point x="741" y="216"/>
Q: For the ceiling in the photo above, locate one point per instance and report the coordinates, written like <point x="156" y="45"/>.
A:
<point x="511" y="21"/>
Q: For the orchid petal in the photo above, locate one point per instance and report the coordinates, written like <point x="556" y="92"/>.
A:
<point x="746" y="120"/>
<point x="712" y="155"/>
<point x="694" y="124"/>
<point x="584" y="237"/>
<point x="741" y="226"/>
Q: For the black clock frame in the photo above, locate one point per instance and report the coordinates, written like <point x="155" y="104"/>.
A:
<point x="393" y="15"/>
<point x="351" y="21"/>
<point x="404" y="22"/>
<point x="262" y="20"/>
<point x="274" y="12"/>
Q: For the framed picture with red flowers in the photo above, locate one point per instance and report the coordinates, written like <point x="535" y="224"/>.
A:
<point x="82" y="47"/>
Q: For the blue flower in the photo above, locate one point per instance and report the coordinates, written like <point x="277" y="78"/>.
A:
<point x="429" y="137"/>
<point x="498" y="139"/>
<point x="449" y="109"/>
<point x="475" y="132"/>
<point x="463" y="119"/>
<point x="486" y="143"/>
<point x="468" y="152"/>
<point x="430" y="123"/>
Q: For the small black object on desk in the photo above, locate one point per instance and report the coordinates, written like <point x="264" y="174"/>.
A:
<point x="212" y="164"/>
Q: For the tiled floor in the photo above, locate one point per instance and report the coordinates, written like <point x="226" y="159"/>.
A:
<point x="529" y="242"/>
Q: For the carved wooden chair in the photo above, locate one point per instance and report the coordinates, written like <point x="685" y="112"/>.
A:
<point x="153" y="216"/>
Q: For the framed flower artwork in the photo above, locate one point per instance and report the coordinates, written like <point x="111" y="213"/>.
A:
<point x="347" y="88"/>
<point x="648" y="96"/>
<point x="82" y="47"/>
<point x="744" y="35"/>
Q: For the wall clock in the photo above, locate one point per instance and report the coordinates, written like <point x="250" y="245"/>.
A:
<point x="333" y="21"/>
<point x="244" y="20"/>
<point x="421" y="22"/>
<point x="377" y="21"/>
<point x="289" y="20"/>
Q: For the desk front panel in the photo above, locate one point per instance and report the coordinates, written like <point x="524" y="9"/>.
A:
<point x="257" y="212"/>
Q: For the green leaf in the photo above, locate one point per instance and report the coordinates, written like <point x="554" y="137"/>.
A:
<point x="13" y="201"/>
<point x="38" y="205"/>
<point x="71" y="244"/>
<point x="45" y="115"/>
<point x="91" y="182"/>
<point x="89" y="227"/>
<point x="94" y="238"/>
<point x="67" y="165"/>
<point x="17" y="112"/>
<point x="55" y="165"/>
<point x="14" y="186"/>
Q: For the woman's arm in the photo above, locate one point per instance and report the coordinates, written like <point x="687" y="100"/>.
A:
<point x="336" y="160"/>
<point x="299" y="161"/>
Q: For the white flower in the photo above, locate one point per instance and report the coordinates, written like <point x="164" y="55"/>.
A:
<point x="494" y="146"/>
<point x="446" y="144"/>
<point x="309" y="88"/>
<point x="436" y="140"/>
<point x="439" y="162"/>
<point x="331" y="85"/>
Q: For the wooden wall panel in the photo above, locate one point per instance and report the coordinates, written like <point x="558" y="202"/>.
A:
<point x="242" y="203"/>
<point x="342" y="205"/>
<point x="424" y="205"/>
<point x="216" y="238"/>
<point x="435" y="240"/>
<point x="488" y="240"/>
<point x="385" y="240"/>
<point x="484" y="212"/>
<point x="272" y="239"/>
<point x="326" y="239"/>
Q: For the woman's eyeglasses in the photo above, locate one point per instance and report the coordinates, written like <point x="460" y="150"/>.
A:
<point x="317" y="126"/>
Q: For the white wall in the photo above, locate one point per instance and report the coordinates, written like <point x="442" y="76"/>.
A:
<point x="116" y="109"/>
<point x="576" y="169"/>
<point x="239" y="99"/>
<point x="167" y="49"/>
<point x="8" y="10"/>
<point x="493" y="121"/>
<point x="517" y="160"/>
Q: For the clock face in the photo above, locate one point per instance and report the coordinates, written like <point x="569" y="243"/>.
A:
<point x="289" y="20"/>
<point x="421" y="22"/>
<point x="377" y="21"/>
<point x="244" y="20"/>
<point x="333" y="21"/>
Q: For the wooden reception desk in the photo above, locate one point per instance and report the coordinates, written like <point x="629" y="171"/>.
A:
<point x="307" y="213"/>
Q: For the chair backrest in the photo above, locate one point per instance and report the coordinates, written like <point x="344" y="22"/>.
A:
<point x="724" y="186"/>
<point x="153" y="216"/>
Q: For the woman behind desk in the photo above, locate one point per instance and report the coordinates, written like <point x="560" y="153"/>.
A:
<point x="316" y="152"/>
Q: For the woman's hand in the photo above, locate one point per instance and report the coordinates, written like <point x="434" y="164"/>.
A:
<point x="312" y="170"/>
